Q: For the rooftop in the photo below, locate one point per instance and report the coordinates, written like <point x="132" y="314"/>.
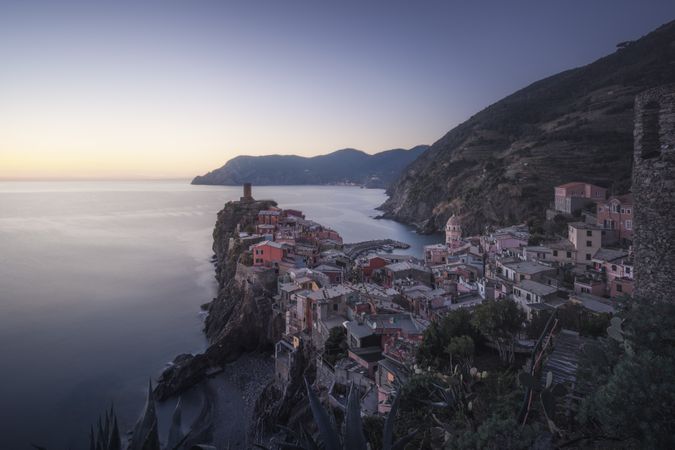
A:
<point x="537" y="288"/>
<point x="584" y="226"/>
<point x="270" y="244"/>
<point x="527" y="267"/>
<point x="405" y="265"/>
<point x="594" y="303"/>
<point x="608" y="254"/>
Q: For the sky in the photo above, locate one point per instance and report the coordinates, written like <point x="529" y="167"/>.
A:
<point x="172" y="89"/>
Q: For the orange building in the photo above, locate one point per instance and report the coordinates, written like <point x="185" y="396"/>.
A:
<point x="268" y="253"/>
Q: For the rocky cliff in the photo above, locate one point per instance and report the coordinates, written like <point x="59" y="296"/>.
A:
<point x="240" y="319"/>
<point x="500" y="166"/>
<point x="342" y="166"/>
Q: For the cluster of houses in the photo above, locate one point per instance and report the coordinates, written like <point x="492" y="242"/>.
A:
<point x="383" y="301"/>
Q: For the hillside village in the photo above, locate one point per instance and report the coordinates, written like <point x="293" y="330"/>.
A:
<point x="382" y="302"/>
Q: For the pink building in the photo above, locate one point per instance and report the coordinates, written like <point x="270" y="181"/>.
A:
<point x="615" y="216"/>
<point x="571" y="197"/>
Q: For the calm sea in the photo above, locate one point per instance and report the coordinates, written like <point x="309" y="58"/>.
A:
<point x="100" y="286"/>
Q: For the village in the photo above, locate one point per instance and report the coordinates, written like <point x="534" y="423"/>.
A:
<point x="380" y="303"/>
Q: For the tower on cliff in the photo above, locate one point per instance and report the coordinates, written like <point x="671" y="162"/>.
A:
<point x="654" y="194"/>
<point x="453" y="230"/>
<point x="248" y="193"/>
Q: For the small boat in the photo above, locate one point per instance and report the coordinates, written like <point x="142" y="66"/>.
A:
<point x="388" y="248"/>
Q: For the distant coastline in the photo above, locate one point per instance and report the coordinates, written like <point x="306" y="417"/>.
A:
<point x="346" y="167"/>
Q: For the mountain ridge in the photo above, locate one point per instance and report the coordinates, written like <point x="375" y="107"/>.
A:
<point x="500" y="166"/>
<point x="344" y="166"/>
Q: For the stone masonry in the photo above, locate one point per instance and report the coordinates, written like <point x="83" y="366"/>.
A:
<point x="654" y="194"/>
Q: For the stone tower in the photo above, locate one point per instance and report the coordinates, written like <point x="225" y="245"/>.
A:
<point x="248" y="194"/>
<point x="453" y="230"/>
<point x="654" y="194"/>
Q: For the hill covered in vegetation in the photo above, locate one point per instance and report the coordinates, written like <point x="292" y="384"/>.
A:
<point x="347" y="166"/>
<point x="500" y="166"/>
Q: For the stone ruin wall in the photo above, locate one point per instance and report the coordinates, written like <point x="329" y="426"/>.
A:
<point x="654" y="194"/>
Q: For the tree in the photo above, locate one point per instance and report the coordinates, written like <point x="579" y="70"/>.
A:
<point x="633" y="378"/>
<point x="460" y="349"/>
<point x="336" y="346"/>
<point x="432" y="351"/>
<point x="500" y="321"/>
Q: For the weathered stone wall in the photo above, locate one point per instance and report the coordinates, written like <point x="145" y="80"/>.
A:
<point x="654" y="193"/>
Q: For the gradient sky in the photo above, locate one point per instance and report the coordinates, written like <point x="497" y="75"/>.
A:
<point x="176" y="88"/>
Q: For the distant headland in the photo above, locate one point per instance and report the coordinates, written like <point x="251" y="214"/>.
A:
<point x="341" y="167"/>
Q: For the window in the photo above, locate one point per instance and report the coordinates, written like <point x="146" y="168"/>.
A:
<point x="569" y="254"/>
<point x="613" y="268"/>
<point x="588" y="256"/>
<point x="589" y="233"/>
<point x="619" y="288"/>
<point x="585" y="290"/>
<point x="629" y="224"/>
<point x="623" y="211"/>
<point x="628" y="211"/>
<point x="335" y="306"/>
<point x="528" y="297"/>
<point x="627" y="269"/>
<point x="589" y="243"/>
<point x="555" y="252"/>
<point x="522" y="277"/>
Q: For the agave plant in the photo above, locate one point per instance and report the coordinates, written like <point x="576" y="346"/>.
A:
<point x="145" y="435"/>
<point x="107" y="436"/>
<point x="353" y="438"/>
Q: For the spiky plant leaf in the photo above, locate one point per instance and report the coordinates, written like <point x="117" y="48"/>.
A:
<point x="176" y="429"/>
<point x="114" y="440"/>
<point x="92" y="440"/>
<point x="330" y="439"/>
<point x="145" y="435"/>
<point x="354" y="438"/>
<point x="388" y="430"/>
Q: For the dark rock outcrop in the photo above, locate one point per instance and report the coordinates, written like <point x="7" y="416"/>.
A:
<point x="240" y="318"/>
<point x="342" y="166"/>
<point x="500" y="166"/>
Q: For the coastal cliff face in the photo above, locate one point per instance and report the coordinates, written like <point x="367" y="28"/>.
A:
<point x="240" y="319"/>
<point x="500" y="166"/>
